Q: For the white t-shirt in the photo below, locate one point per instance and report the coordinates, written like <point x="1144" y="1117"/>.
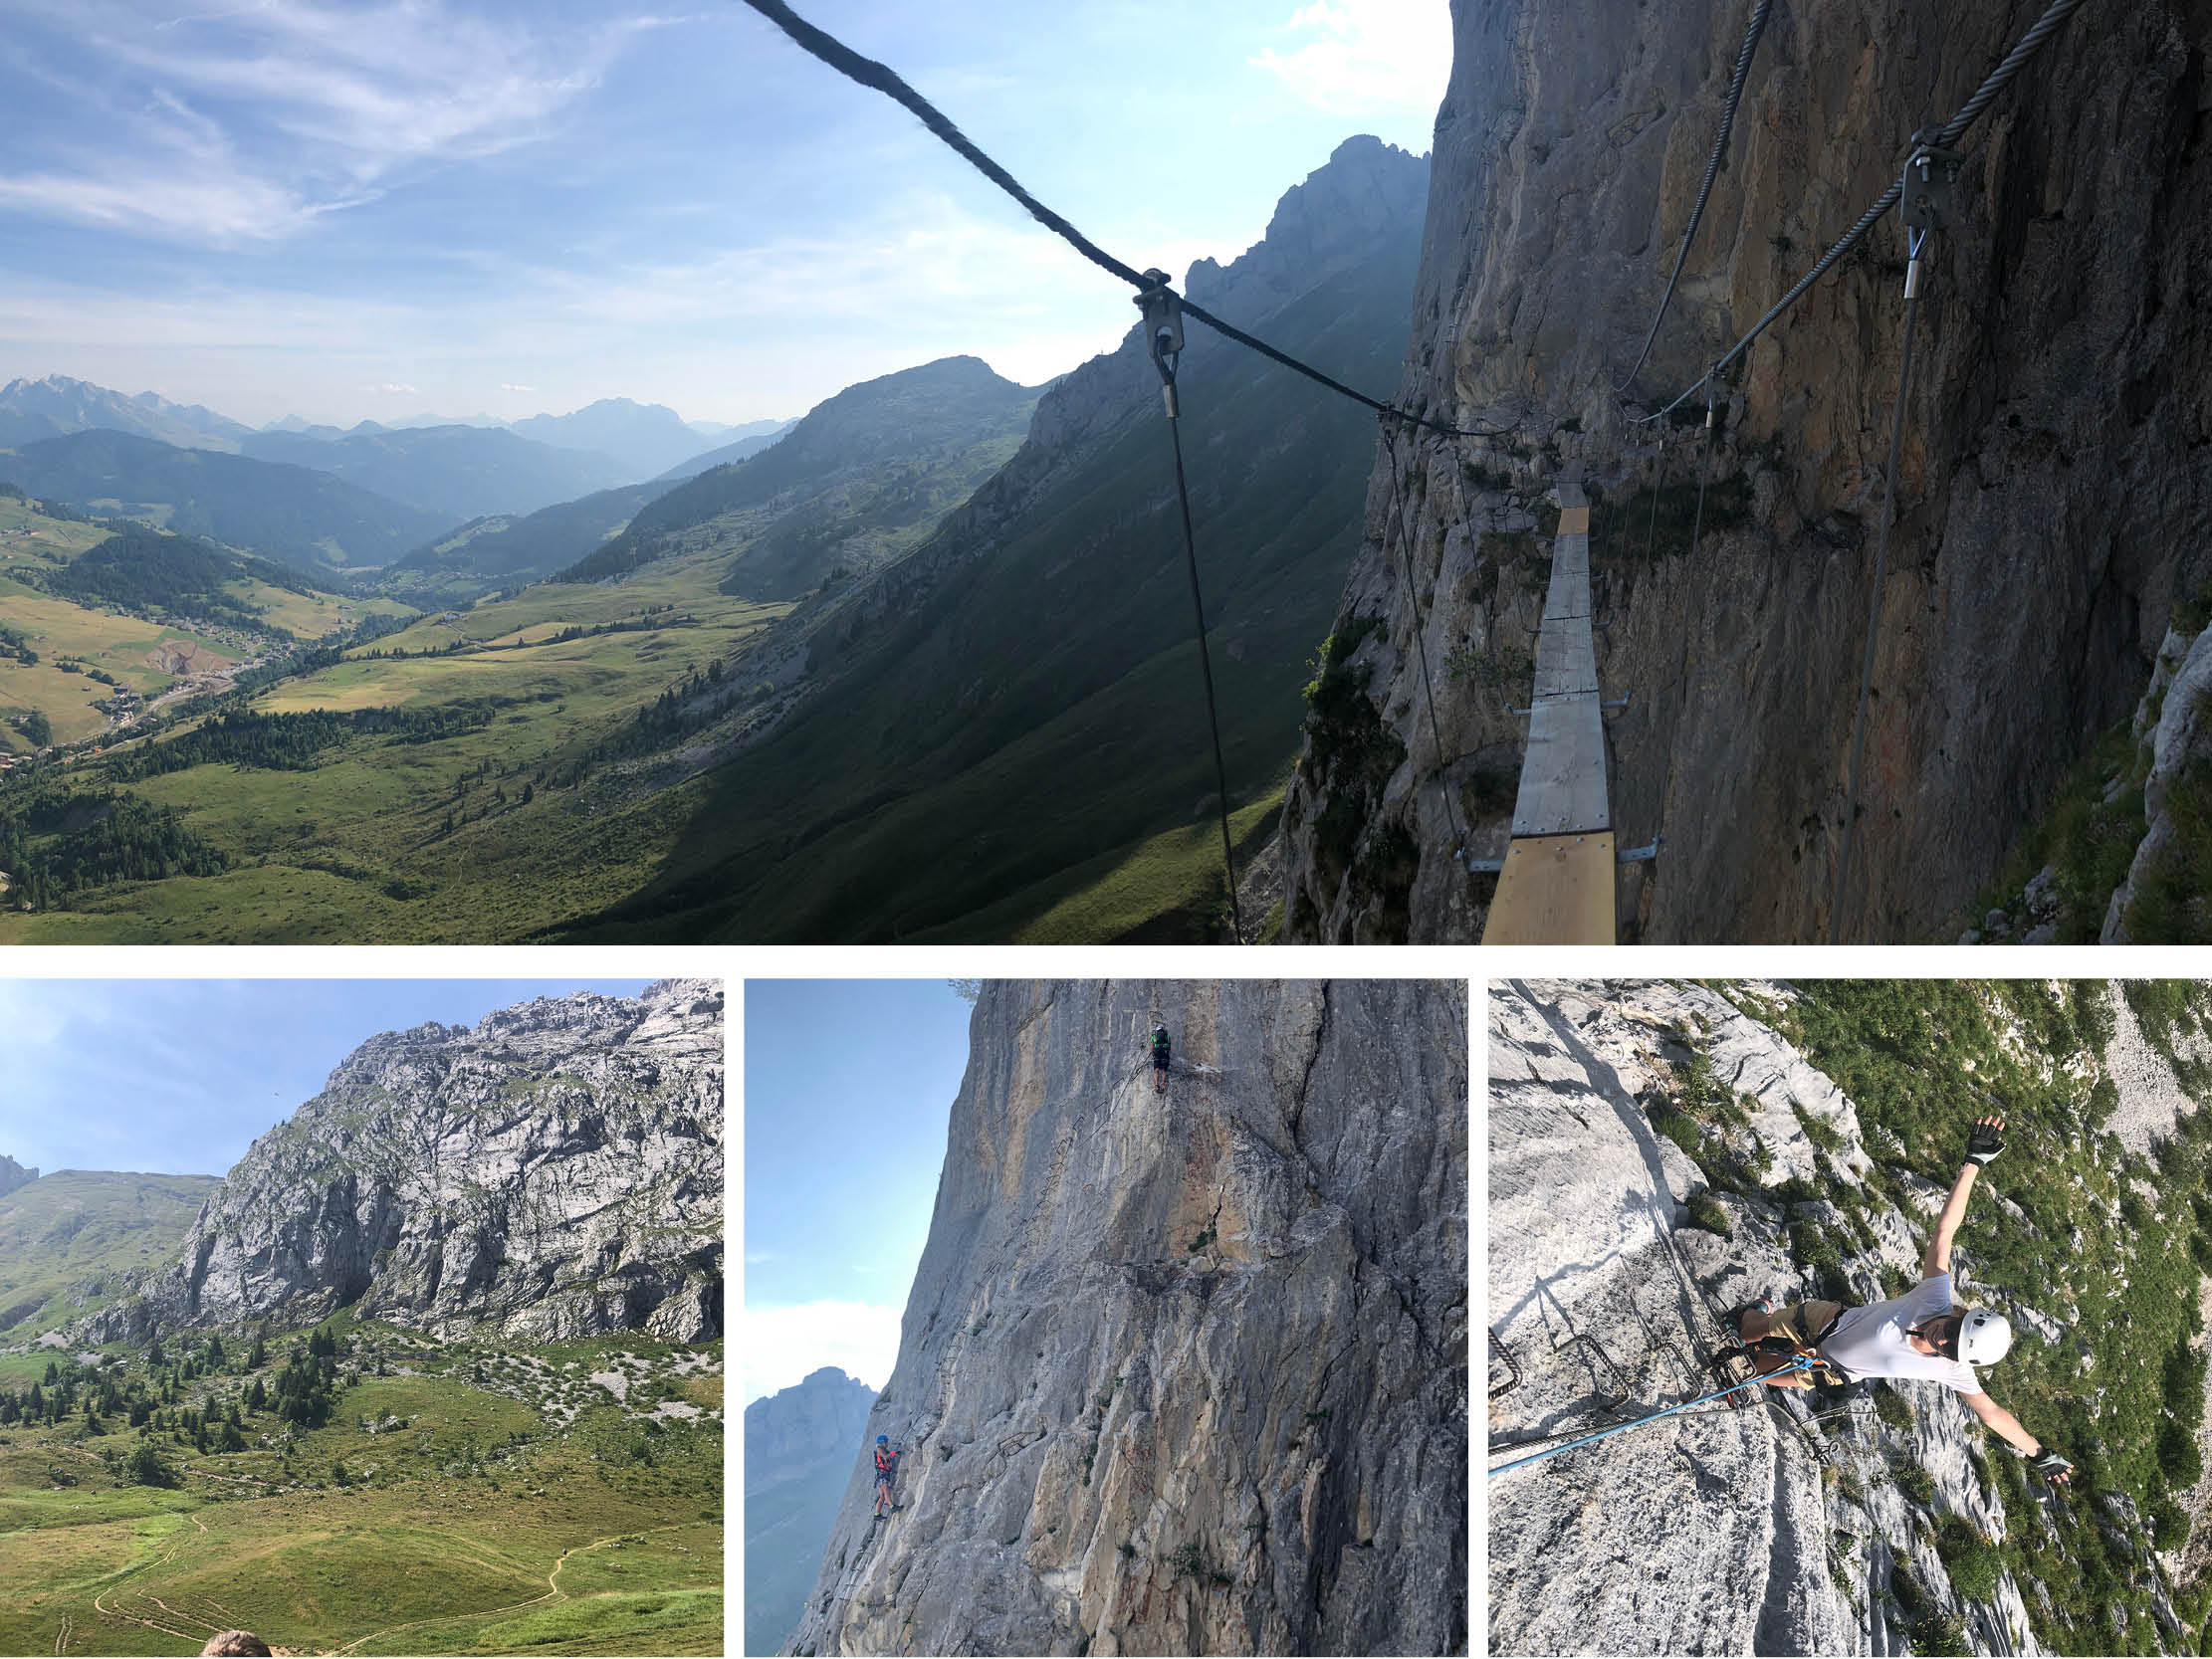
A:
<point x="1871" y="1341"/>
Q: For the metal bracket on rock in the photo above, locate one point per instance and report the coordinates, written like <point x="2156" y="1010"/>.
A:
<point x="1639" y="855"/>
<point x="1928" y="177"/>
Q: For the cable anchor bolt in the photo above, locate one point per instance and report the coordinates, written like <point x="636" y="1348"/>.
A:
<point x="1930" y="175"/>
<point x="1163" y="309"/>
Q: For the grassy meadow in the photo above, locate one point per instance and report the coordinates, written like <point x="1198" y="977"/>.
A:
<point x="463" y="1498"/>
<point x="494" y="831"/>
<point x="139" y="653"/>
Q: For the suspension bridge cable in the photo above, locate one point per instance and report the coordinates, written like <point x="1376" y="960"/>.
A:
<point x="1206" y="670"/>
<point x="1712" y="170"/>
<point x="1953" y="130"/>
<point x="1873" y="605"/>
<point x="1421" y="644"/>
<point x="883" y="79"/>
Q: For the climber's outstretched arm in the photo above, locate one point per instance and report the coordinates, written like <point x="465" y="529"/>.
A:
<point x="2003" y="1422"/>
<point x="1938" y="1257"/>
<point x="1984" y="1145"/>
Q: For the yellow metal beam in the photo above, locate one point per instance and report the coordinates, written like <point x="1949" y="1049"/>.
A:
<point x="1554" y="890"/>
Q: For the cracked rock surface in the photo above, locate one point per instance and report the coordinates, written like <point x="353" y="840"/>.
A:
<point x="553" y="1172"/>
<point x="1181" y="1372"/>
<point x="1716" y="1530"/>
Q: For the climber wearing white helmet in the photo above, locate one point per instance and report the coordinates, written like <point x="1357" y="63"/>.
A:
<point x="1923" y="1334"/>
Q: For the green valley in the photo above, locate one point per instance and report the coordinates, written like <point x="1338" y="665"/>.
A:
<point x="65" y="1240"/>
<point x="363" y="1489"/>
<point x="921" y="669"/>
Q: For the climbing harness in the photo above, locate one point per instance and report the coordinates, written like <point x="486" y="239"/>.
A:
<point x="1926" y="193"/>
<point x="1163" y="312"/>
<point x="1669" y="1411"/>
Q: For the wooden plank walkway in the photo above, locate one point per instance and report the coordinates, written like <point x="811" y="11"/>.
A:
<point x="1557" y="887"/>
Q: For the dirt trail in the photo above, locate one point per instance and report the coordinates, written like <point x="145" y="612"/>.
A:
<point x="60" y="1642"/>
<point x="98" y="1607"/>
<point x="552" y="1586"/>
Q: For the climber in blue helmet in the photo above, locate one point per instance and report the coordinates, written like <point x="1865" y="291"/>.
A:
<point x="1922" y="1334"/>
<point x="887" y="1468"/>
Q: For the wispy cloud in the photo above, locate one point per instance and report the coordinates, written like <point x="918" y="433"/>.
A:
<point x="399" y="388"/>
<point x="247" y="124"/>
<point x="510" y="386"/>
<point x="1364" y="57"/>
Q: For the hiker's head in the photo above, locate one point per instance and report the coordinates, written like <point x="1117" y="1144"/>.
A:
<point x="1976" y="1335"/>
<point x="1938" y="1336"/>
<point x="883" y="1440"/>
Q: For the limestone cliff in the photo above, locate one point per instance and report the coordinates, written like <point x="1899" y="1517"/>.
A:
<point x="1660" y="1155"/>
<point x="556" y="1171"/>
<point x="2055" y="494"/>
<point x="13" y="1175"/>
<point x="1181" y="1372"/>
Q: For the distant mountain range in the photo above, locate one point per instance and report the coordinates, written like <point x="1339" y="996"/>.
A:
<point x="456" y="472"/>
<point x="832" y="494"/>
<point x="300" y="513"/>
<point x="450" y="470"/>
<point x="57" y="406"/>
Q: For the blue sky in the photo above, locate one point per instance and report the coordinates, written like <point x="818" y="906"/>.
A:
<point x="178" y="1075"/>
<point x="371" y="209"/>
<point x="848" y="1091"/>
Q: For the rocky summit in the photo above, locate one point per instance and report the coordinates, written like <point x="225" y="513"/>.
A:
<point x="553" y="1172"/>
<point x="1181" y="1371"/>
<point x="798" y="1454"/>
<point x="13" y="1175"/>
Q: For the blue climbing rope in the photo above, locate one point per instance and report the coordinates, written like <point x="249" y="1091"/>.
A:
<point x="1804" y="1365"/>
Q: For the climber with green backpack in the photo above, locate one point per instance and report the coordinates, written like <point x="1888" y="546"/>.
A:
<point x="1160" y="1059"/>
<point x="1923" y="1334"/>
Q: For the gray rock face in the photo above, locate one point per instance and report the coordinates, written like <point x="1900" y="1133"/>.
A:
<point x="2179" y="739"/>
<point x="1181" y="1372"/>
<point x="799" y="1445"/>
<point x="14" y="1176"/>
<point x="555" y="1172"/>
<point x="2055" y="494"/>
<point x="1599" y="1286"/>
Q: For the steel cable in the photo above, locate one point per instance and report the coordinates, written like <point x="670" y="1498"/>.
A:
<point x="1704" y="190"/>
<point x="883" y="79"/>
<point x="1206" y="670"/>
<point x="1953" y="130"/>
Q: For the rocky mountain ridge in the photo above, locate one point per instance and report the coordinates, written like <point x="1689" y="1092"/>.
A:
<point x="13" y="1175"/>
<point x="2055" y="490"/>
<point x="553" y="1172"/>
<point x="798" y="1444"/>
<point x="1033" y="654"/>
<point x="1181" y="1372"/>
